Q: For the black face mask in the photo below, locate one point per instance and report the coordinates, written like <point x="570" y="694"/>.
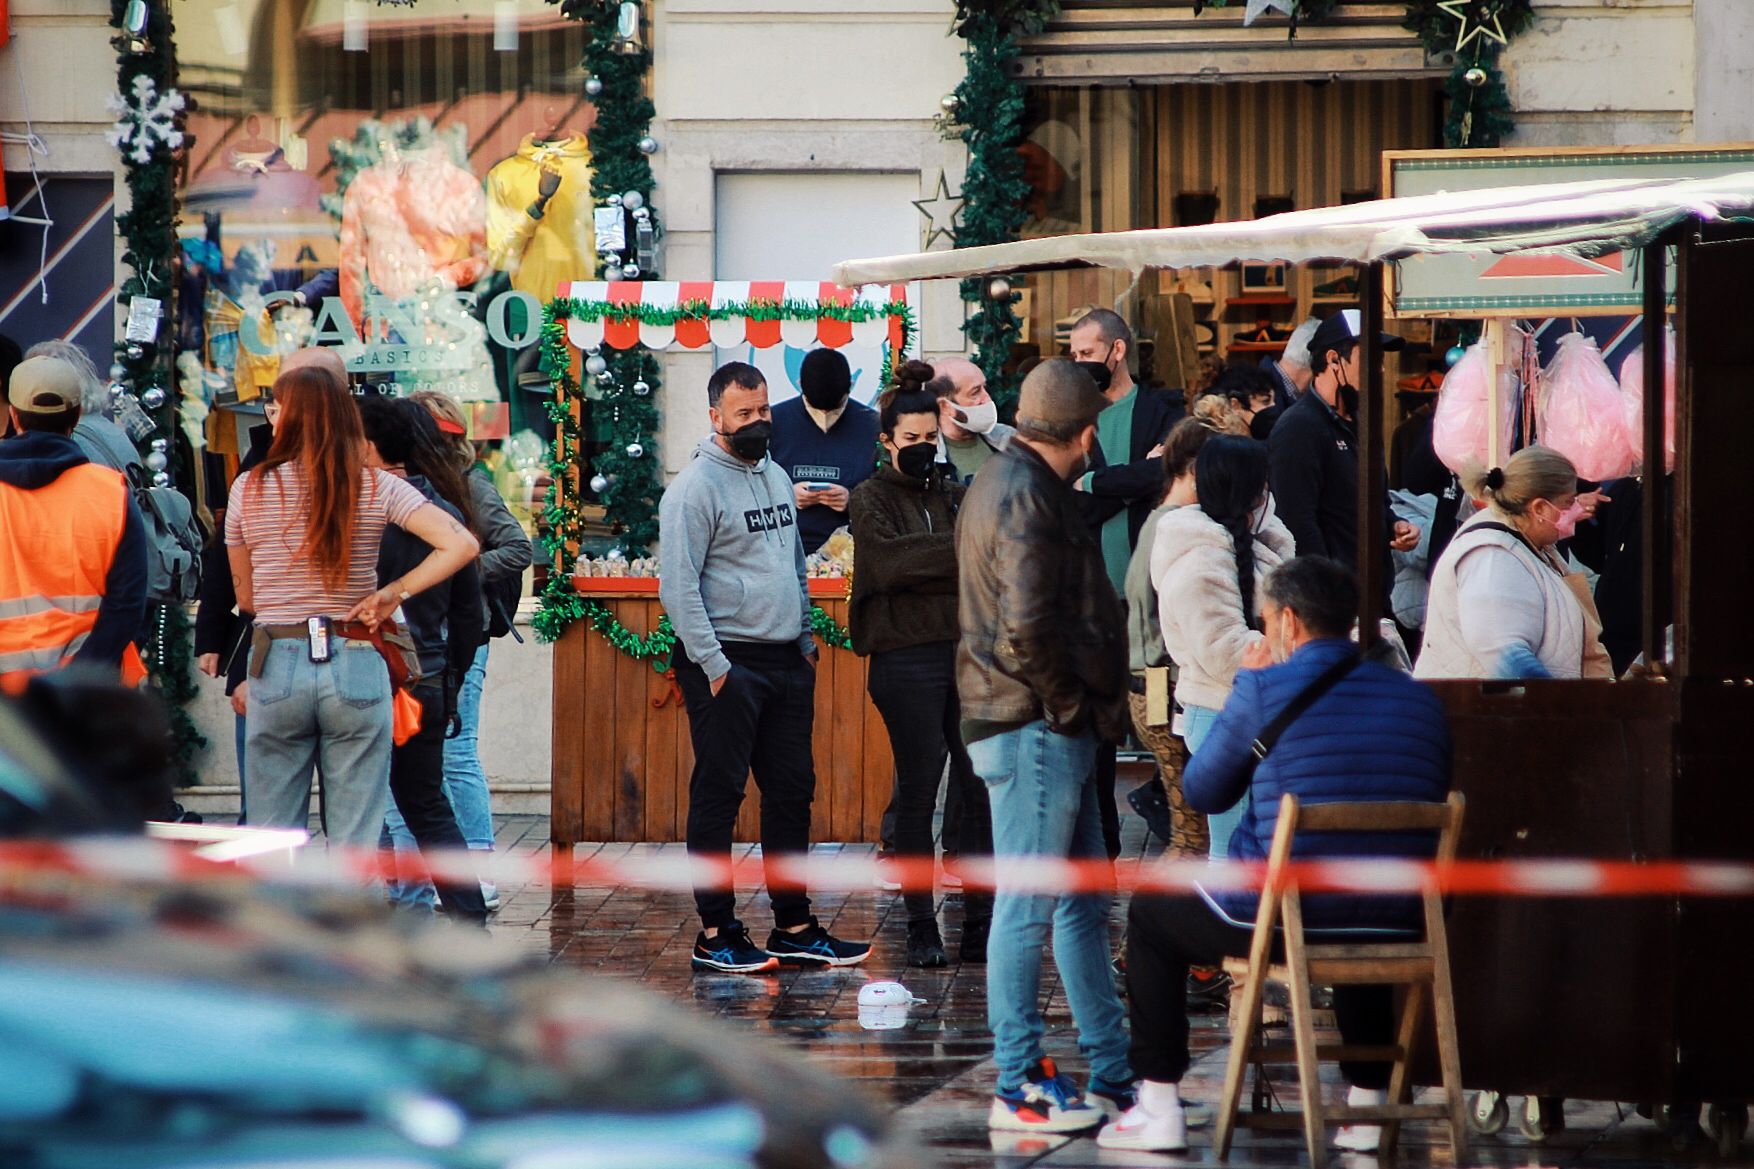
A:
<point x="1347" y="395"/>
<point x="824" y="398"/>
<point x="916" y="459"/>
<point x="749" y="442"/>
<point x="1261" y="425"/>
<point x="1099" y="373"/>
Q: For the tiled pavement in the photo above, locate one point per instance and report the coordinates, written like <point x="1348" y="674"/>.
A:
<point x="936" y="1071"/>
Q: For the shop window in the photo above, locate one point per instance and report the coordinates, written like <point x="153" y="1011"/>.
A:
<point x="361" y="175"/>
<point x="1119" y="158"/>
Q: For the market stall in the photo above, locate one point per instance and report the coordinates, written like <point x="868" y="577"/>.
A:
<point x="622" y="755"/>
<point x="1631" y="999"/>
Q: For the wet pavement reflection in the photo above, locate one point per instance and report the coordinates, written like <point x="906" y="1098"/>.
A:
<point x="935" y="1069"/>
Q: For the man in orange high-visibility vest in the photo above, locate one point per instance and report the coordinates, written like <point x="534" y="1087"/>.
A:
<point x="73" y="571"/>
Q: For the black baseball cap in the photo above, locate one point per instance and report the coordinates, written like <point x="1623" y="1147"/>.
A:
<point x="1339" y="331"/>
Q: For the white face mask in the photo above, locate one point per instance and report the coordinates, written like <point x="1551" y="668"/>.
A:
<point x="1259" y="517"/>
<point x="977" y="419"/>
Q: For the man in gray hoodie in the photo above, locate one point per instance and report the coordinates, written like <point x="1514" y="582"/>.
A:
<point x="732" y="581"/>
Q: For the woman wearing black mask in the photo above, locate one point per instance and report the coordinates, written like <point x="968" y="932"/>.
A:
<point x="903" y="616"/>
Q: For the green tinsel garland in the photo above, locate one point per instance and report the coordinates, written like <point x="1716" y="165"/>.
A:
<point x="657" y="647"/>
<point x="630" y="502"/>
<point x="618" y="165"/>
<point x="989" y="104"/>
<point x="1479" y="116"/>
<point x="755" y="310"/>
<point x="149" y="234"/>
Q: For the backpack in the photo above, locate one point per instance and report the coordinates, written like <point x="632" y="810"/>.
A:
<point x="173" y="539"/>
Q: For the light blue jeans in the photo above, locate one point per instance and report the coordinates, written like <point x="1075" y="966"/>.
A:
<point x="336" y="715"/>
<point x="465" y="787"/>
<point x="1043" y="791"/>
<point x="1196" y="725"/>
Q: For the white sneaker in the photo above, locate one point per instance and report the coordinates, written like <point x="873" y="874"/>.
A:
<point x="1144" y="1132"/>
<point x="1362" y="1138"/>
<point x="883" y="879"/>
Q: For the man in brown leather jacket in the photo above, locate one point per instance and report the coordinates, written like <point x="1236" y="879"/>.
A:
<point x="1042" y="673"/>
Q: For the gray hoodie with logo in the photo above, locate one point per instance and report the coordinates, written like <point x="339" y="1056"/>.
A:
<point x="730" y="563"/>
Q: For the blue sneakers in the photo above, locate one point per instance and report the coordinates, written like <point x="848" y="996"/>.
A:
<point x="1046" y="1102"/>
<point x="815" y="946"/>
<point x="731" y="952"/>
<point x="1113" y="1100"/>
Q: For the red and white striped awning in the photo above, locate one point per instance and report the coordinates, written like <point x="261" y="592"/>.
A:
<point x="697" y="333"/>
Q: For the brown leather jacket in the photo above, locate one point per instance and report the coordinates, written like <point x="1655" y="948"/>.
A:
<point x="1043" y="634"/>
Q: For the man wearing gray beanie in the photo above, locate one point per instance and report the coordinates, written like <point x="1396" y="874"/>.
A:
<point x="1042" y="674"/>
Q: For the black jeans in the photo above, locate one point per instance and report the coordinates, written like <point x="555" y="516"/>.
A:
<point x="417" y="784"/>
<point x="914" y="689"/>
<point x="949" y="835"/>
<point x="1166" y="935"/>
<point x="761" y="721"/>
<point x="1105" y="799"/>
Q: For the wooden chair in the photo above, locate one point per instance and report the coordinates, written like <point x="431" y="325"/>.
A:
<point x="1422" y="967"/>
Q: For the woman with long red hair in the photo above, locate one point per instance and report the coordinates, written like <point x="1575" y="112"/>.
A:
<point x="302" y="531"/>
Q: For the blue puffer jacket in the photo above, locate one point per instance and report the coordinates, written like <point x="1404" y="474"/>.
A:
<point x="1377" y="735"/>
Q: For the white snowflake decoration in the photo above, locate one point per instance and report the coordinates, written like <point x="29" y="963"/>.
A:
<point x="145" y="121"/>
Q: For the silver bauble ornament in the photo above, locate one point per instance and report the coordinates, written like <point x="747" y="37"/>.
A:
<point x="614" y="200"/>
<point x="156" y="461"/>
<point x="599" y="484"/>
<point x="633" y="200"/>
<point x="948" y="103"/>
<point x="161" y="480"/>
<point x="152" y="399"/>
<point x="648" y="145"/>
<point x="630" y="270"/>
<point x="593" y="86"/>
<point x="136" y="352"/>
<point x="595" y="365"/>
<point x="117" y="389"/>
<point x="641" y="389"/>
<point x="642" y="215"/>
<point x="1475" y="77"/>
<point x="117" y="372"/>
<point x="998" y="288"/>
<point x="161" y="444"/>
<point x="635" y="450"/>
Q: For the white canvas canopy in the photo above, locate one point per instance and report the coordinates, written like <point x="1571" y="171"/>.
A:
<point x="1587" y="219"/>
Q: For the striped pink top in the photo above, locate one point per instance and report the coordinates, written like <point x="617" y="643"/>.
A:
<point x="269" y="520"/>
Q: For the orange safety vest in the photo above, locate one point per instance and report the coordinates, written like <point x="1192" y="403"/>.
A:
<point x="56" y="547"/>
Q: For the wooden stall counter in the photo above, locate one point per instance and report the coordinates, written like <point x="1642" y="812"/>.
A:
<point x="622" y="754"/>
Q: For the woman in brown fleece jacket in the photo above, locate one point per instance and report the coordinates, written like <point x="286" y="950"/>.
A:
<point x="903" y="616"/>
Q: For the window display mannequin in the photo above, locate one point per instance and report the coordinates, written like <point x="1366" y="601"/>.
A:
<point x="540" y="230"/>
<point x="413" y="229"/>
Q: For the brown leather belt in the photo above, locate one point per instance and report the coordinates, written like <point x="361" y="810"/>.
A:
<point x="352" y="630"/>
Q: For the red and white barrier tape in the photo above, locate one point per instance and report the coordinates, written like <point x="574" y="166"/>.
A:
<point x="671" y="869"/>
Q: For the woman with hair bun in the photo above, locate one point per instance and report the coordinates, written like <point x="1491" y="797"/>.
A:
<point x="1503" y="603"/>
<point x="903" y="615"/>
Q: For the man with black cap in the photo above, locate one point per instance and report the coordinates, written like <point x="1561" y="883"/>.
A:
<point x="1042" y="674"/>
<point x="72" y="547"/>
<point x="826" y="442"/>
<point x="1314" y="449"/>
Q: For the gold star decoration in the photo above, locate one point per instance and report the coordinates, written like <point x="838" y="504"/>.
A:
<point x="1477" y="18"/>
<point x="943" y="212"/>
